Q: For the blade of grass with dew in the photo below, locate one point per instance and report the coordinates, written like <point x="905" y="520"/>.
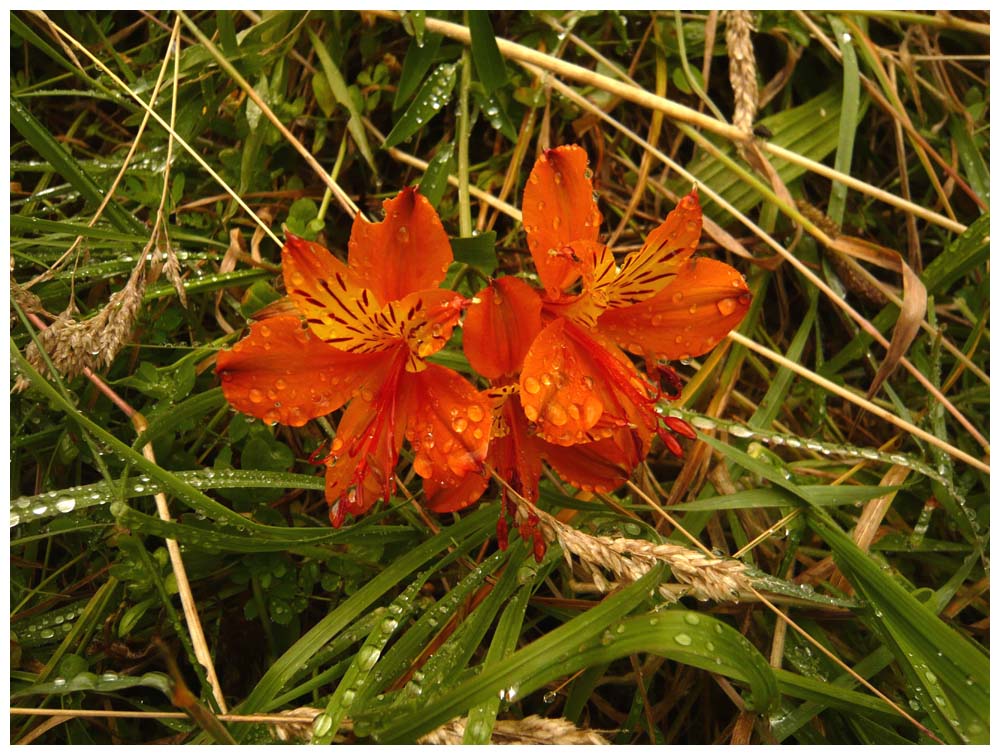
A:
<point x="432" y="98"/>
<point x="451" y="658"/>
<point x="88" y="682"/>
<point x="411" y="644"/>
<point x="167" y="480"/>
<point x="951" y="689"/>
<point x="485" y="54"/>
<point x="434" y="182"/>
<point x="849" y="119"/>
<point x="345" y="697"/>
<point x="482" y="717"/>
<point x="42" y="141"/>
<point x="418" y="61"/>
<point x="683" y="636"/>
<point x="459" y="536"/>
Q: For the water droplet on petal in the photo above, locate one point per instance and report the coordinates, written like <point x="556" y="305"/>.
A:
<point x="726" y="306"/>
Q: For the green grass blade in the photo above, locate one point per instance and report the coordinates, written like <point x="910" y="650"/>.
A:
<point x="339" y="88"/>
<point x="64" y="164"/>
<point x="470" y="529"/>
<point x="485" y="53"/>
<point x="432" y="98"/>
<point x="949" y="673"/>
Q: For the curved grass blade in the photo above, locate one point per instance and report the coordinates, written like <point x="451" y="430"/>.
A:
<point x="482" y="717"/>
<point x="598" y="636"/>
<point x="418" y="61"/>
<point x="435" y="179"/>
<point x="948" y="673"/>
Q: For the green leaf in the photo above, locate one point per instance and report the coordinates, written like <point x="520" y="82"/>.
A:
<point x="338" y="86"/>
<point x="479" y="251"/>
<point x="88" y="682"/>
<point x="430" y="100"/>
<point x="483" y="716"/>
<point x="415" y="22"/>
<point x="485" y="53"/>
<point x="435" y="178"/>
<point x="461" y="535"/>
<point x="850" y="104"/>
<point x="596" y="636"/>
<point x="418" y="61"/>
<point x="968" y="251"/>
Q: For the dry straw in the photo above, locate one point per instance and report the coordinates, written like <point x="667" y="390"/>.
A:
<point x="533" y="730"/>
<point x="74" y="346"/>
<point x="742" y="68"/>
<point x="701" y="575"/>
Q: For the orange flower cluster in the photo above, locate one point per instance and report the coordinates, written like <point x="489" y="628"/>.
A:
<point x="562" y="388"/>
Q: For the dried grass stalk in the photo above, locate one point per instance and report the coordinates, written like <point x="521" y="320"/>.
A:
<point x="742" y="68"/>
<point x="706" y="577"/>
<point x="533" y="730"/>
<point x="74" y="346"/>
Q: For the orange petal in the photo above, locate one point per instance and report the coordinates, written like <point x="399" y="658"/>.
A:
<point x="600" y="466"/>
<point x="597" y="270"/>
<point x="500" y="326"/>
<point x="515" y="451"/>
<point x="705" y="301"/>
<point x="449" y="431"/>
<point x="283" y="373"/>
<point x="348" y="317"/>
<point x="645" y="273"/>
<point x="424" y="320"/>
<point x="324" y="289"/>
<point x="577" y="386"/>
<point x="559" y="208"/>
<point x="408" y="251"/>
<point x="364" y="452"/>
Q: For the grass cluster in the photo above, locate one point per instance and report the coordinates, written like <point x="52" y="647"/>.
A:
<point x="814" y="570"/>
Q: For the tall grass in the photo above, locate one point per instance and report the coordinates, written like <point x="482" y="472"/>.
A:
<point x="813" y="571"/>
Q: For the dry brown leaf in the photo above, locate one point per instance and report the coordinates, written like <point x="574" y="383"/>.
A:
<point x="914" y="302"/>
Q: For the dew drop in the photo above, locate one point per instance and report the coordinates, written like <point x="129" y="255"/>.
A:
<point x="726" y="306"/>
<point x="682" y="639"/>
<point x="423" y="467"/>
<point x="322" y="725"/>
<point x="555" y="414"/>
<point x="532" y="386"/>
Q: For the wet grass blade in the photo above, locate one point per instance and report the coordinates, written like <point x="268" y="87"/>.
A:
<point x="432" y="98"/>
<point x="64" y="164"/>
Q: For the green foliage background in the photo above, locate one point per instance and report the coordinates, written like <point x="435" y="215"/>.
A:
<point x="398" y="623"/>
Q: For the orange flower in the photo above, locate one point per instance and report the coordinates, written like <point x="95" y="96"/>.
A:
<point x="564" y="345"/>
<point x="368" y="327"/>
